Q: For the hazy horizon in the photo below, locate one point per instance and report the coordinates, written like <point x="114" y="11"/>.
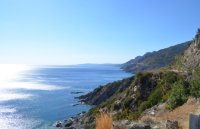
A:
<point x="59" y="32"/>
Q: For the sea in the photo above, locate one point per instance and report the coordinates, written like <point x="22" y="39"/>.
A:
<point x="35" y="97"/>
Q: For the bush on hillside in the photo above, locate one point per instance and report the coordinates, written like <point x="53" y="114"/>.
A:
<point x="166" y="82"/>
<point x="152" y="100"/>
<point x="126" y="114"/>
<point x="195" y="84"/>
<point x="179" y="94"/>
<point x="195" y="88"/>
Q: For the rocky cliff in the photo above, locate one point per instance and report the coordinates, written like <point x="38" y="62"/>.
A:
<point x="191" y="57"/>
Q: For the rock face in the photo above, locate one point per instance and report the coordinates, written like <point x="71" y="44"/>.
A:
<point x="140" y="126"/>
<point x="130" y="125"/>
<point x="155" y="60"/>
<point x="191" y="57"/>
<point x="68" y="123"/>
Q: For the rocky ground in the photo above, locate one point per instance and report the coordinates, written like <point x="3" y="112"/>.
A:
<point x="157" y="117"/>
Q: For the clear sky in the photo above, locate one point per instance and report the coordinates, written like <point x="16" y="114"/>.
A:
<point x="92" y="31"/>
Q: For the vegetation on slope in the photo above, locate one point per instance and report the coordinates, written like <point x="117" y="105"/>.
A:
<point x="195" y="84"/>
<point x="179" y="94"/>
<point x="145" y="90"/>
<point x="103" y="93"/>
<point x="149" y="89"/>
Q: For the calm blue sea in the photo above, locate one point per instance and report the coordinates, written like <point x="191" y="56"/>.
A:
<point x="41" y="95"/>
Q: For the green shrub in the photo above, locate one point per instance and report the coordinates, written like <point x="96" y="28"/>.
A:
<point x="126" y="114"/>
<point x="108" y="103"/>
<point x="152" y="100"/>
<point x="155" y="97"/>
<point x="179" y="94"/>
<point x="168" y="78"/>
<point x="195" y="88"/>
<point x="143" y="106"/>
<point x="143" y="78"/>
<point x="94" y="111"/>
<point x="195" y="84"/>
<point x="127" y="101"/>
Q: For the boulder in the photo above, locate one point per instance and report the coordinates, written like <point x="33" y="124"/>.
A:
<point x="70" y="128"/>
<point x="68" y="123"/>
<point x="171" y="124"/>
<point x="59" y="124"/>
<point x="141" y="126"/>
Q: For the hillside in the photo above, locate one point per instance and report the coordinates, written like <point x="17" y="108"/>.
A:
<point x="138" y="94"/>
<point x="155" y="60"/>
<point x="148" y="99"/>
<point x="102" y="93"/>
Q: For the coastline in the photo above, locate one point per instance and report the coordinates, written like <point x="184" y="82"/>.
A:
<point x="93" y="98"/>
<point x="72" y="122"/>
<point x="77" y="120"/>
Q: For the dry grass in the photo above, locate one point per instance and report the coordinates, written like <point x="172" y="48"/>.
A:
<point x="104" y="121"/>
<point x="147" y="119"/>
<point x="181" y="114"/>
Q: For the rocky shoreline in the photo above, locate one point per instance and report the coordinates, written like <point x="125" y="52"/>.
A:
<point x="84" y="120"/>
<point x="78" y="122"/>
<point x="72" y="123"/>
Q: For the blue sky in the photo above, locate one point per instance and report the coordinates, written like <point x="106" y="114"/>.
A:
<point x="92" y="31"/>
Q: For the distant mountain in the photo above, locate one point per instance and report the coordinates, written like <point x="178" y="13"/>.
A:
<point x="155" y="60"/>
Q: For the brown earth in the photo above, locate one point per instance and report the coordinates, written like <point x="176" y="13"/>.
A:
<point x="180" y="114"/>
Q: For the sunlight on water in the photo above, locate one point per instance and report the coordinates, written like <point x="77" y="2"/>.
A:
<point x="10" y="89"/>
<point x="34" y="97"/>
<point x="9" y="73"/>
<point x="5" y="109"/>
<point x="28" y="86"/>
<point x="16" y="121"/>
<point x="13" y="96"/>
